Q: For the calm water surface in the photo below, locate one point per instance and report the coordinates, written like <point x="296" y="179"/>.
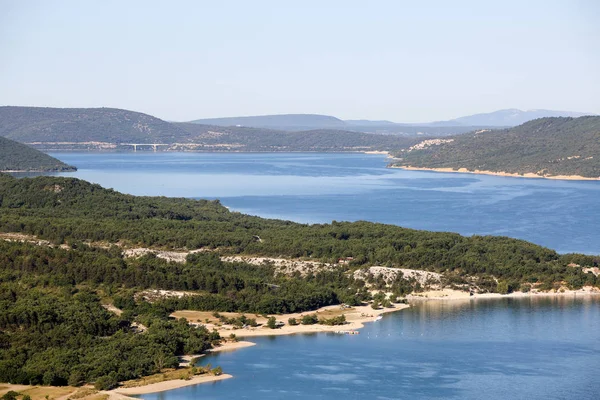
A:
<point x="313" y="187"/>
<point x="540" y="348"/>
<point x="474" y="349"/>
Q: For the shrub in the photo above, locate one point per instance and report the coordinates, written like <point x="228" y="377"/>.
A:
<point x="106" y="382"/>
<point x="309" y="319"/>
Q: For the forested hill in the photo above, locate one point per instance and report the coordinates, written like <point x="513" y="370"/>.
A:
<point x="19" y="157"/>
<point x="111" y="125"/>
<point x="113" y="129"/>
<point x="545" y="147"/>
<point x="67" y="209"/>
<point x="259" y="139"/>
<point x="58" y="323"/>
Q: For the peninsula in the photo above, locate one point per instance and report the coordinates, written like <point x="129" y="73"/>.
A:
<point x="17" y="157"/>
<point x="109" y="289"/>
<point x="555" y="148"/>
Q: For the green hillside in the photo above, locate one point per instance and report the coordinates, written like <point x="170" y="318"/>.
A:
<point x="107" y="128"/>
<point x="545" y="146"/>
<point x="55" y="330"/>
<point x="19" y="157"/>
<point x="81" y="211"/>
<point x="37" y="124"/>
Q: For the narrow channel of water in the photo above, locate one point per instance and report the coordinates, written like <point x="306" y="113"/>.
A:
<point x="317" y="187"/>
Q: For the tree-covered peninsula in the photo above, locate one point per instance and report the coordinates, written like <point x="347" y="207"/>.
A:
<point x="65" y="269"/>
<point x="545" y="147"/>
<point x="16" y="156"/>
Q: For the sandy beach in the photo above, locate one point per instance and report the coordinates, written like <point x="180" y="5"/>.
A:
<point x="231" y="346"/>
<point x="498" y="173"/>
<point x="169" y="385"/>
<point x="356" y="317"/>
<point x="450" y="294"/>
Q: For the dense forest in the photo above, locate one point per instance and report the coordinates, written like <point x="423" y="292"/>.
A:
<point x="19" y="157"/>
<point x="546" y="147"/>
<point x="55" y="330"/>
<point x="64" y="210"/>
<point x="61" y="334"/>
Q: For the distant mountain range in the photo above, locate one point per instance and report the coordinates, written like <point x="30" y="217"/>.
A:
<point x="19" y="157"/>
<point x="545" y="147"/>
<point x="509" y="117"/>
<point x="212" y="138"/>
<point x="115" y="129"/>
<point x="293" y="122"/>
<point x="303" y="122"/>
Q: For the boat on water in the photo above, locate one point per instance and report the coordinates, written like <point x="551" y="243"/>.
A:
<point x="348" y="332"/>
<point x="379" y="317"/>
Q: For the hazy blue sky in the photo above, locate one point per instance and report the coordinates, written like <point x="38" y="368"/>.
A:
<point x="398" y="60"/>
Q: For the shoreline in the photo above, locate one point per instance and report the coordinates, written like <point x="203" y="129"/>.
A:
<point x="168" y="385"/>
<point x="231" y="346"/>
<point x="451" y="294"/>
<point x="354" y="324"/>
<point x="356" y="317"/>
<point x="11" y="171"/>
<point x="529" y="175"/>
<point x="355" y="321"/>
<point x="274" y="151"/>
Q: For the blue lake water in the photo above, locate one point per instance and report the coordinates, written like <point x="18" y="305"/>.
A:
<point x="475" y="349"/>
<point x="313" y="187"/>
<point x="541" y="348"/>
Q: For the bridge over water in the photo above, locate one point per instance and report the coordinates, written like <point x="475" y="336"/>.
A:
<point x="135" y="145"/>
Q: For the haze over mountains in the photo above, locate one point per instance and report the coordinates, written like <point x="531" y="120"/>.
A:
<point x="280" y="121"/>
<point x="116" y="129"/>
<point x="303" y="122"/>
<point x="500" y="118"/>
<point x="511" y="117"/>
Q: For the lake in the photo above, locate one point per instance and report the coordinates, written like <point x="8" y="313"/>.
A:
<point x="540" y="348"/>
<point x="318" y="187"/>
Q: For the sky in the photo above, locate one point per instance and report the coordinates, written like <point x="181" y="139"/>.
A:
<point x="404" y="61"/>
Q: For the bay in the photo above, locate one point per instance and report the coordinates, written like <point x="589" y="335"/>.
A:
<point x="540" y="348"/>
<point x="321" y="187"/>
